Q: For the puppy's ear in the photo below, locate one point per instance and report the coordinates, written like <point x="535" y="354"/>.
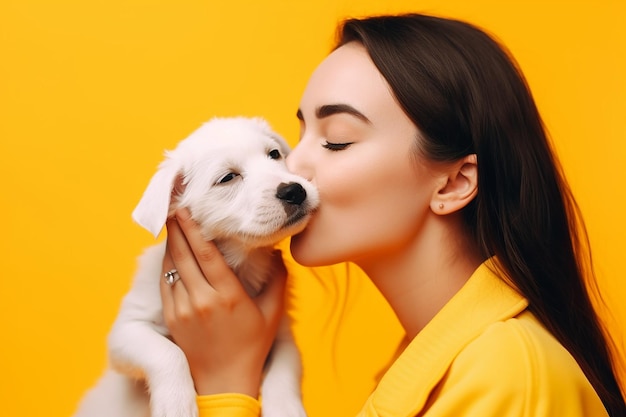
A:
<point x="153" y="208"/>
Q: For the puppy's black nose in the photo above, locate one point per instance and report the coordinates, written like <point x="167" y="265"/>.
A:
<point x="292" y="193"/>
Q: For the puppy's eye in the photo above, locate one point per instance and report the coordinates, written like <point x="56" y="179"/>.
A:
<point x="228" y="177"/>
<point x="274" y="154"/>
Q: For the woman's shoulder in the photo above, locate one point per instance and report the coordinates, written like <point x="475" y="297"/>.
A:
<point x="519" y="361"/>
<point x="522" y="347"/>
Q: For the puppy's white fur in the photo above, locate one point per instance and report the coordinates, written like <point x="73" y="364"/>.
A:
<point x="228" y="173"/>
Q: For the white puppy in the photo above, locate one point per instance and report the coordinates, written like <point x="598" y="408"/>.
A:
<point x="231" y="174"/>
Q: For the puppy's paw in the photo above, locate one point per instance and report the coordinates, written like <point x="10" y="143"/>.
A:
<point x="173" y="400"/>
<point x="274" y="406"/>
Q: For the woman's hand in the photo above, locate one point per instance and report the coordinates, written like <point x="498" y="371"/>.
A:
<point x="225" y="334"/>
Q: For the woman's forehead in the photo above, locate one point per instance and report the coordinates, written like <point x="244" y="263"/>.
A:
<point x="347" y="76"/>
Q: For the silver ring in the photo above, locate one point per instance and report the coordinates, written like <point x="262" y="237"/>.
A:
<point x="171" y="277"/>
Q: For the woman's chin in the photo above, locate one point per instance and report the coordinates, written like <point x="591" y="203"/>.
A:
<point x="309" y="255"/>
<point x="297" y="246"/>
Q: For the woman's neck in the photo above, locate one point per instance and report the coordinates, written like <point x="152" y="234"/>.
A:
<point x="420" y="279"/>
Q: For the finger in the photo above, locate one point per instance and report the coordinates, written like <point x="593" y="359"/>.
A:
<point x="271" y="300"/>
<point x="167" y="296"/>
<point x="166" y="293"/>
<point x="176" y="301"/>
<point x="208" y="257"/>
<point x="184" y="260"/>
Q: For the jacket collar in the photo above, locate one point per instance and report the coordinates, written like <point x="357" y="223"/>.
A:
<point x="484" y="299"/>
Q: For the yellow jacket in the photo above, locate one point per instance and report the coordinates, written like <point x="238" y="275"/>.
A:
<point x="484" y="354"/>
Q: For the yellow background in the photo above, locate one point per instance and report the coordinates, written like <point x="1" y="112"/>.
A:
<point x="92" y="92"/>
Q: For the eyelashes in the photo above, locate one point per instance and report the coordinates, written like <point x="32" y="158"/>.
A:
<point x="331" y="146"/>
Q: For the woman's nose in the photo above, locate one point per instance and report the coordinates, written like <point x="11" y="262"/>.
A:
<point x="297" y="162"/>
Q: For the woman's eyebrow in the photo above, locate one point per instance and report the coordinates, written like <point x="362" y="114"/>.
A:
<point x="331" y="109"/>
<point x="328" y="110"/>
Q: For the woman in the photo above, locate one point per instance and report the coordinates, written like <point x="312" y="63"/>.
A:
<point x="436" y="177"/>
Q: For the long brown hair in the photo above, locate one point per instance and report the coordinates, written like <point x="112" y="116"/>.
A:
<point x="466" y="95"/>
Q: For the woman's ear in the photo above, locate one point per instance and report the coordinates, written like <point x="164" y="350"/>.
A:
<point x="459" y="186"/>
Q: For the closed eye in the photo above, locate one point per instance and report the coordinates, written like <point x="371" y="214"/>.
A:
<point x="228" y="177"/>
<point x="336" y="146"/>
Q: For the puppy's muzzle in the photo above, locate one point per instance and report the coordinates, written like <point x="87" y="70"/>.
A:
<point x="293" y="197"/>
